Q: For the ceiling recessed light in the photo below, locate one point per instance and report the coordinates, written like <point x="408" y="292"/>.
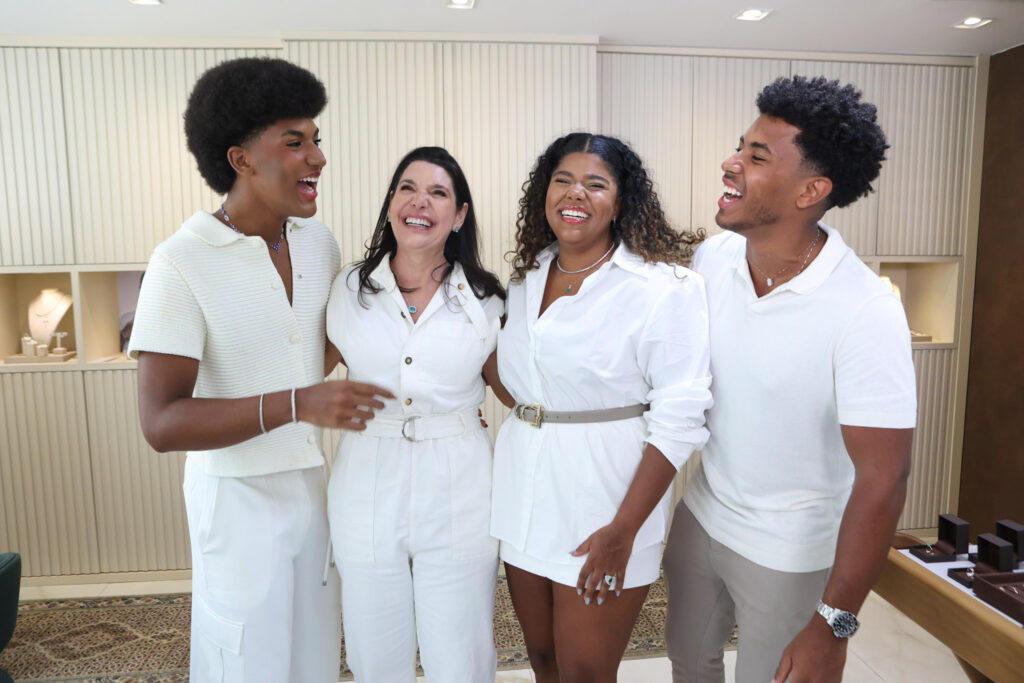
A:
<point x="460" y="4"/>
<point x="753" y="14"/>
<point x="146" y="2"/>
<point x="973" y="22"/>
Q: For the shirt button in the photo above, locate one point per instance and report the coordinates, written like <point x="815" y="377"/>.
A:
<point x="462" y="286"/>
<point x="275" y="285"/>
<point x="408" y="401"/>
<point x="408" y="360"/>
<point x="300" y="276"/>
<point x="310" y="439"/>
<point x="295" y="338"/>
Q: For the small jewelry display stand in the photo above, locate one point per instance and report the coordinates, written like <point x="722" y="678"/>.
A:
<point x="44" y="314"/>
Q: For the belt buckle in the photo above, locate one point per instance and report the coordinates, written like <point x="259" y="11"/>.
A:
<point x="407" y="421"/>
<point x="538" y="415"/>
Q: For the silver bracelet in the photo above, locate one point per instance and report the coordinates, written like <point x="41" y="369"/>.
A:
<point x="294" y="419"/>
<point x="262" y="427"/>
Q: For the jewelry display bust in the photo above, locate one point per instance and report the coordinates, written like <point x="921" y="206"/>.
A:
<point x="44" y="315"/>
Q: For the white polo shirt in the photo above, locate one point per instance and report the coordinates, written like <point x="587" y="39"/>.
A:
<point x="213" y="294"/>
<point x="830" y="347"/>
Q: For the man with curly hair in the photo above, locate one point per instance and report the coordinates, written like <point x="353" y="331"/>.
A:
<point x="230" y="337"/>
<point x="785" y="526"/>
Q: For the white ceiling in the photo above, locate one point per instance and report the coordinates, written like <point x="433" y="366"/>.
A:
<point x="881" y="26"/>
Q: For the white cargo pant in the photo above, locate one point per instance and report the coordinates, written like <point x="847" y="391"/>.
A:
<point x="260" y="609"/>
<point x="410" y="522"/>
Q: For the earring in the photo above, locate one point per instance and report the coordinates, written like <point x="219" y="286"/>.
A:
<point x="457" y="228"/>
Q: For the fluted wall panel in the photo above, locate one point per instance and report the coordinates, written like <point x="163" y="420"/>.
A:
<point x="924" y="190"/>
<point x="35" y="222"/>
<point x="647" y="101"/>
<point x="140" y="512"/>
<point x="858" y="222"/>
<point x="505" y="103"/>
<point x="133" y="181"/>
<point x="46" y="484"/>
<point x="929" y="487"/>
<point x="724" y="92"/>
<point x="384" y="99"/>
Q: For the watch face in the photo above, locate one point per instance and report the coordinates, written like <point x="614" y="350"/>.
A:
<point x="844" y="624"/>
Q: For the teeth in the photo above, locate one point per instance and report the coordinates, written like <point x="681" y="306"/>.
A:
<point x="731" y="192"/>
<point x="417" y="221"/>
<point x="575" y="213"/>
<point x="308" y="180"/>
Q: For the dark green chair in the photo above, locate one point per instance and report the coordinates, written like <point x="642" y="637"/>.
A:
<point x="10" y="586"/>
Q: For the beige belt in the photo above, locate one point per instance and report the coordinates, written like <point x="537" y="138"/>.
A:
<point x="535" y="416"/>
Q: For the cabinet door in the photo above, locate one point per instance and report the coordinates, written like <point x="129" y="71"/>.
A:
<point x="140" y="512"/>
<point x="35" y="222"/>
<point x="46" y="483"/>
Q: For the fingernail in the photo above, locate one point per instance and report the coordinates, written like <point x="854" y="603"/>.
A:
<point x="586" y="601"/>
<point x="600" y="601"/>
<point x="579" y="591"/>
<point x="618" y="593"/>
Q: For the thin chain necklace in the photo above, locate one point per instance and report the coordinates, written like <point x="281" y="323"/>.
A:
<point x="276" y="246"/>
<point x="558" y="264"/>
<point x="770" y="279"/>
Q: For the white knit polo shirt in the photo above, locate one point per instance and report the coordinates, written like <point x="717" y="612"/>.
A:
<point x="212" y="294"/>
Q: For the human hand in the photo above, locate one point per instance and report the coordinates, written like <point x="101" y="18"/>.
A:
<point x="607" y="551"/>
<point x="341" y="404"/>
<point x="815" y="655"/>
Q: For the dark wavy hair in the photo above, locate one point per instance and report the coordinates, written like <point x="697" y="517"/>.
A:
<point x="462" y="246"/>
<point x="641" y="224"/>
<point x="237" y="100"/>
<point x="839" y="134"/>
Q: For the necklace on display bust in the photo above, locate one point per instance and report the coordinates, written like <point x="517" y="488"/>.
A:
<point x="770" y="279"/>
<point x="45" y="312"/>
<point x="276" y="246"/>
<point x="558" y="264"/>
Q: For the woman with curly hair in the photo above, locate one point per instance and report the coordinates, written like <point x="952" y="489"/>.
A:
<point x="230" y="338"/>
<point x="605" y="353"/>
<point x="409" y="498"/>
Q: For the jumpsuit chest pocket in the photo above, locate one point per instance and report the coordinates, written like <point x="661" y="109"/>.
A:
<point x="453" y="354"/>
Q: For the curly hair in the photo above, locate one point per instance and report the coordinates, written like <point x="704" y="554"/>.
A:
<point x="839" y="134"/>
<point x="641" y="223"/>
<point x="461" y="246"/>
<point x="237" y="100"/>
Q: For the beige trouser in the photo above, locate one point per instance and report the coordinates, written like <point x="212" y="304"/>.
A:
<point x="712" y="588"/>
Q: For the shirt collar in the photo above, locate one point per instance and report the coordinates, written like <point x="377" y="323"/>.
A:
<point x="816" y="272"/>
<point x="209" y="229"/>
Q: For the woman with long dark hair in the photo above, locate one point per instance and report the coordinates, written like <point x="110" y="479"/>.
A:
<point x="605" y="352"/>
<point x="409" y="497"/>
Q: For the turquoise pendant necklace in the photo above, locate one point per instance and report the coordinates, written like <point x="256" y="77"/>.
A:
<point x="412" y="309"/>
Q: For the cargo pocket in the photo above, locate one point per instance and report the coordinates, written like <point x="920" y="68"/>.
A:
<point x="215" y="639"/>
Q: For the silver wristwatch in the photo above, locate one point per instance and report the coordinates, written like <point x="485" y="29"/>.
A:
<point x="844" y="624"/>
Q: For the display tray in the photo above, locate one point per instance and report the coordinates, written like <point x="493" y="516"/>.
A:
<point x="954" y="537"/>
<point x="1004" y="591"/>
<point x="962" y="575"/>
<point x="22" y="359"/>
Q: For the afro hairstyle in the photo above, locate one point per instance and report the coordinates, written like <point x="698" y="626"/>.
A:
<point x="839" y="135"/>
<point x="237" y="100"/>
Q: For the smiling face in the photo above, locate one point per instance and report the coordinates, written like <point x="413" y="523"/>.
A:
<point x="283" y="165"/>
<point x="423" y="208"/>
<point x="582" y="200"/>
<point x="764" y="179"/>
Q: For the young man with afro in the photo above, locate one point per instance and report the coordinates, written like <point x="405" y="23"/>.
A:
<point x="230" y="338"/>
<point x="785" y="526"/>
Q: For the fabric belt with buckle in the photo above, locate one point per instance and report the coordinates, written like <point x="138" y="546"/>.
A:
<point x="423" y="427"/>
<point x="535" y="416"/>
